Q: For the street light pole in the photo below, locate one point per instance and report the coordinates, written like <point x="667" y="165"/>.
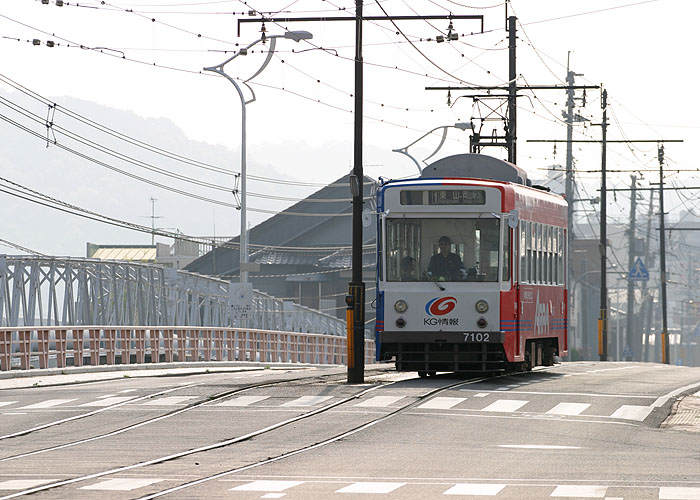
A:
<point x="219" y="69"/>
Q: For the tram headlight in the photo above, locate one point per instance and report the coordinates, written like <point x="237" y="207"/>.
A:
<point x="400" y="322"/>
<point x="400" y="306"/>
<point x="482" y="323"/>
<point x="481" y="306"/>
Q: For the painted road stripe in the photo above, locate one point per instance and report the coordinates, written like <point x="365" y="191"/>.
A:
<point x="273" y="495"/>
<point x="583" y="491"/>
<point x="442" y="403"/>
<point x="631" y="412"/>
<point x="7" y="403"/>
<point x="678" y="493"/>
<point x="481" y="395"/>
<point x="307" y="401"/>
<point x="506" y="405"/>
<point x="569" y="409"/>
<point x="379" y="401"/>
<point x="242" y="401"/>
<point x="370" y="488"/>
<point x="109" y="401"/>
<point x="122" y="484"/>
<point x="169" y="401"/>
<point x="539" y="447"/>
<point x="475" y="489"/>
<point x="47" y="404"/>
<point x="267" y="486"/>
<point x="22" y="484"/>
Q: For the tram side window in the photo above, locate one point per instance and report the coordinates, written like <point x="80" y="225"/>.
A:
<point x="506" y="253"/>
<point x="523" y="254"/>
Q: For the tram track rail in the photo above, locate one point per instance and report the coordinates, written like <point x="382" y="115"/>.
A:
<point x="250" y="435"/>
<point x="204" y="400"/>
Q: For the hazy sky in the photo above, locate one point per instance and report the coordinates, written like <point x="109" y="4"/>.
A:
<point x="146" y="57"/>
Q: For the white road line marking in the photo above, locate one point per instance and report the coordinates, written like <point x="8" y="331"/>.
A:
<point x="442" y="403"/>
<point x="678" y="493"/>
<point x="631" y="412"/>
<point x="242" y="401"/>
<point x="370" y="488"/>
<point x="307" y="401"/>
<point x="267" y="486"/>
<point x="506" y="405"/>
<point x="127" y="390"/>
<point x="7" y="403"/>
<point x="481" y="395"/>
<point x="569" y="409"/>
<point x="379" y="401"/>
<point x="13" y="413"/>
<point x="502" y="389"/>
<point x="22" y="484"/>
<point x="106" y="396"/>
<point x="47" y="404"/>
<point x="273" y="495"/>
<point x="475" y="489"/>
<point x="169" y="401"/>
<point x="122" y="484"/>
<point x="539" y="447"/>
<point x="580" y="491"/>
<point x="109" y="401"/>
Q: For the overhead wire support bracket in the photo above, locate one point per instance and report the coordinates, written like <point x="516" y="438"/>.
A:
<point x="364" y="18"/>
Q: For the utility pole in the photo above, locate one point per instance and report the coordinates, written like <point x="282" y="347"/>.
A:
<point x="647" y="303"/>
<point x="662" y="243"/>
<point x="511" y="128"/>
<point x="153" y="220"/>
<point x="356" y="289"/>
<point x="603" y="317"/>
<point x="630" y="262"/>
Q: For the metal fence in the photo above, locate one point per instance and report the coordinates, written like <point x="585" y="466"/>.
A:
<point x="48" y="291"/>
<point x="46" y="347"/>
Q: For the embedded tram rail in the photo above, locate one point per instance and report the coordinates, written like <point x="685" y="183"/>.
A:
<point x="133" y="432"/>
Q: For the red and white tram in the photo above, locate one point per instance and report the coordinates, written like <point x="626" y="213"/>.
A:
<point x="471" y="269"/>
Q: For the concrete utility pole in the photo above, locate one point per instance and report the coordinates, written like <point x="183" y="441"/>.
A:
<point x="630" y="263"/>
<point x="647" y="303"/>
<point x="662" y="243"/>
<point x="603" y="317"/>
<point x="511" y="128"/>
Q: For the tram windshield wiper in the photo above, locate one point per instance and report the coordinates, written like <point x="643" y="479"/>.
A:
<point x="442" y="288"/>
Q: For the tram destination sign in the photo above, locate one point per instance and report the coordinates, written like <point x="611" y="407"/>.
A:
<point x="444" y="197"/>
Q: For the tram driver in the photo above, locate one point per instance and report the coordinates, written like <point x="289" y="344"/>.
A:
<point x="446" y="265"/>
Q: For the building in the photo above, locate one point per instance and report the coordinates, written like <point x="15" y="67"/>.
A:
<point x="303" y="254"/>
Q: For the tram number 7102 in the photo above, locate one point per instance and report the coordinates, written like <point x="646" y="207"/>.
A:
<point x="477" y="337"/>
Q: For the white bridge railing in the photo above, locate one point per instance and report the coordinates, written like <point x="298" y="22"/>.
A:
<point x="41" y="347"/>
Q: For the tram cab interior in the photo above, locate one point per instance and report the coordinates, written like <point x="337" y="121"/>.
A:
<point x="411" y="243"/>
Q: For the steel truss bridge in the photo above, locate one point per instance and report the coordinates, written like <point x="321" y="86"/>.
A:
<point x="49" y="291"/>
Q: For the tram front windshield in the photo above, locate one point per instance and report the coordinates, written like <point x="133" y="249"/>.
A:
<point x="442" y="249"/>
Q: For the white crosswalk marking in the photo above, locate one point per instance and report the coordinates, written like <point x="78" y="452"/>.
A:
<point x="370" y="488"/>
<point x="7" y="403"/>
<point x="442" y="403"/>
<point x="307" y="401"/>
<point x="580" y="491"/>
<point x="22" y="484"/>
<point x="267" y="486"/>
<point x="169" y="401"/>
<point x="631" y="412"/>
<point x="109" y="401"/>
<point x="475" y="489"/>
<point x="506" y="405"/>
<point x="678" y="493"/>
<point x="122" y="484"/>
<point x="242" y="401"/>
<point x="569" y="409"/>
<point x="49" y="403"/>
<point x="379" y="401"/>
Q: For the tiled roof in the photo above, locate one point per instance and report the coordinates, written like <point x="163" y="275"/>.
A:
<point x="138" y="254"/>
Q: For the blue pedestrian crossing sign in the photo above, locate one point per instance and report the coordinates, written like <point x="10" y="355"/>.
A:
<point x="638" y="271"/>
